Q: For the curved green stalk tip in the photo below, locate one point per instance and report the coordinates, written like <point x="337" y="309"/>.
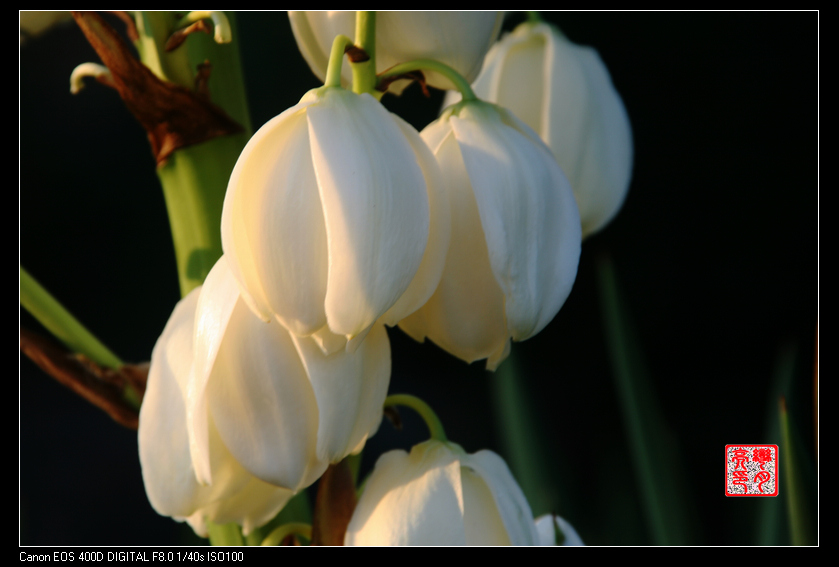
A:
<point x="336" y="60"/>
<point x="458" y="80"/>
<point x="435" y="426"/>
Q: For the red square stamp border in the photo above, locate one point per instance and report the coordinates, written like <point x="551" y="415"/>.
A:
<point x="744" y="470"/>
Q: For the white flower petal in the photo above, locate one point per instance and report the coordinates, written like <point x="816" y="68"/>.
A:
<point x="168" y="475"/>
<point x="273" y="224"/>
<point x="499" y="356"/>
<point x="434" y="260"/>
<point x="520" y="61"/>
<point x="350" y="390"/>
<point x="375" y="353"/>
<point x="214" y="307"/>
<point x="435" y="134"/>
<point x="314" y="32"/>
<point x="375" y="205"/>
<point x="564" y="92"/>
<point x="481" y="519"/>
<point x="254" y="505"/>
<point x="458" y="39"/>
<point x="411" y="499"/>
<point x="606" y="166"/>
<point x="440" y="495"/>
<point x="465" y="316"/>
<point x="528" y="215"/>
<point x="167" y="465"/>
<point x="262" y="403"/>
<point x="509" y="498"/>
<point x="328" y="341"/>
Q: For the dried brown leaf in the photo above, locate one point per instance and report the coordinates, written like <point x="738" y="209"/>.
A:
<point x="103" y="387"/>
<point x="174" y="117"/>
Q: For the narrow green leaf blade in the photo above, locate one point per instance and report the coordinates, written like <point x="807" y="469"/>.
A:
<point x="655" y="453"/>
<point x="523" y="444"/>
<point x="794" y="478"/>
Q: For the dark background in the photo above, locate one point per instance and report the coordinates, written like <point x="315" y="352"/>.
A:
<point x="716" y="251"/>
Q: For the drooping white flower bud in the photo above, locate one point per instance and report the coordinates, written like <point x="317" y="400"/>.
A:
<point x="458" y="39"/>
<point x="284" y="408"/>
<point x="240" y="413"/>
<point x="334" y="218"/>
<point x="564" y="92"/>
<point x="515" y="241"/>
<point x="168" y="474"/>
<point x="440" y="495"/>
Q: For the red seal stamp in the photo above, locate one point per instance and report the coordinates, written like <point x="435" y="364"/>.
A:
<point x="751" y="470"/>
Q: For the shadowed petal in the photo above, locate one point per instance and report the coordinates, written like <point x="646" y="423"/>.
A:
<point x="528" y="215"/>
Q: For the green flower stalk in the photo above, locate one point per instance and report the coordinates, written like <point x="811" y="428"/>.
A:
<point x="435" y="426"/>
<point x="195" y="177"/>
<point x="457" y="80"/>
<point x="364" y="72"/>
<point x="458" y="39"/>
<point x="187" y="91"/>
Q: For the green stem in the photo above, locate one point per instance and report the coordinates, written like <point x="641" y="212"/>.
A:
<point x="194" y="179"/>
<point x="364" y="72"/>
<point x="61" y="323"/>
<point x="460" y="83"/>
<point x="336" y="60"/>
<point x="277" y="536"/>
<point x="534" y="17"/>
<point x="225" y="534"/>
<point x="194" y="182"/>
<point x="354" y="462"/>
<point x="435" y="426"/>
<point x="153" y="30"/>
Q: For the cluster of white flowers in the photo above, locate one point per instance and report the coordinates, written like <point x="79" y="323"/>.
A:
<point x="340" y="219"/>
